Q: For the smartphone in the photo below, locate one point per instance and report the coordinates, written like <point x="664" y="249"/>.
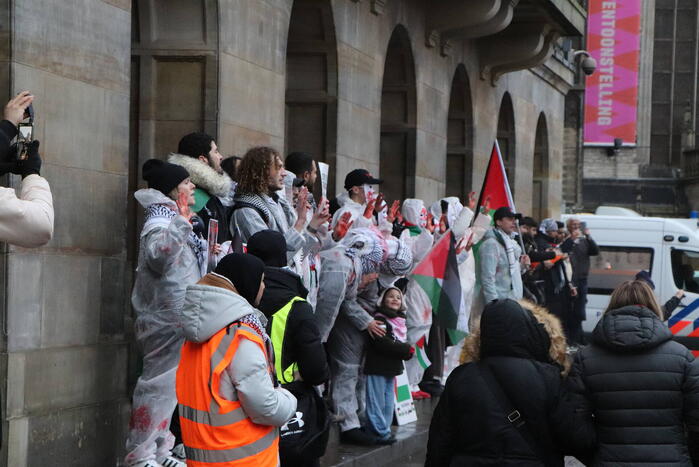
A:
<point x="583" y="225"/>
<point x="25" y="132"/>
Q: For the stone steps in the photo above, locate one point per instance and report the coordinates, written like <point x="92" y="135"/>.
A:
<point x="409" y="450"/>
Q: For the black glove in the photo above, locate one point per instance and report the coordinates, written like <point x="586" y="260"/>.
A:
<point x="30" y="165"/>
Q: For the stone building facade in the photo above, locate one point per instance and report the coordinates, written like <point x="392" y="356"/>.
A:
<point x="413" y="90"/>
<point x="660" y="175"/>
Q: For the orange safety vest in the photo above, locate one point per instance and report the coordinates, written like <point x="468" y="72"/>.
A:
<point x="216" y="432"/>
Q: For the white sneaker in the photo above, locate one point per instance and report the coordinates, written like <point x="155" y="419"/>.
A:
<point x="171" y="461"/>
<point x="178" y="452"/>
<point x="147" y="464"/>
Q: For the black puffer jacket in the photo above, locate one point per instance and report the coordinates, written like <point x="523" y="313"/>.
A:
<point x="469" y="427"/>
<point x="301" y="339"/>
<point x="644" y="390"/>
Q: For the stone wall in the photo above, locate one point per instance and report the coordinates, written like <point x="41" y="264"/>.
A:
<point x="64" y="348"/>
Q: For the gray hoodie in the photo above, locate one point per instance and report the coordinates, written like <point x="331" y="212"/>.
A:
<point x="207" y="310"/>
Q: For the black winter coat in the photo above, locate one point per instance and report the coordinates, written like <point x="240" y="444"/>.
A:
<point x="469" y="426"/>
<point x="644" y="391"/>
<point x="302" y="339"/>
<point x="386" y="354"/>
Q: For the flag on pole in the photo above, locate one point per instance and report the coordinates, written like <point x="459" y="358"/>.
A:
<point x="421" y="354"/>
<point x="495" y="184"/>
<point x="438" y="275"/>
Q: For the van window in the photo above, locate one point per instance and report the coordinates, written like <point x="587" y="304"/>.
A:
<point x="616" y="264"/>
<point x="685" y="269"/>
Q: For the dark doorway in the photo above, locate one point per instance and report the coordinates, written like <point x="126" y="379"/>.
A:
<point x="398" y="109"/>
<point x="459" y="137"/>
<point x="506" y="138"/>
<point x="540" y="170"/>
<point x="311" y="84"/>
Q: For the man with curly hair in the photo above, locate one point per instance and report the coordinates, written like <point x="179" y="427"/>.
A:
<point x="258" y="207"/>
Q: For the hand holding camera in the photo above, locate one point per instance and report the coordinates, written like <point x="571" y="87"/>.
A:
<point x="16" y="109"/>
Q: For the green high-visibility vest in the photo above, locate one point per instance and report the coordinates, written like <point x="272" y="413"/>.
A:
<point x="279" y="319"/>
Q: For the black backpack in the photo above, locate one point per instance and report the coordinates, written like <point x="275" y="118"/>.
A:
<point x="306" y="434"/>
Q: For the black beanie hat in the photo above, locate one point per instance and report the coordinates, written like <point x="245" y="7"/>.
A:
<point x="163" y="176"/>
<point x="245" y="272"/>
<point x="269" y="246"/>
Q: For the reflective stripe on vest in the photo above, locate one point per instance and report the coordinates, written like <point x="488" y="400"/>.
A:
<point x="216" y="431"/>
<point x="279" y="320"/>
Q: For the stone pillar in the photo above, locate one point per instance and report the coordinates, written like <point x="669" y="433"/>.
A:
<point x="252" y="70"/>
<point x="64" y="350"/>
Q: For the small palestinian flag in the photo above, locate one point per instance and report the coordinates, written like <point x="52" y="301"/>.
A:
<point x="421" y="354"/>
<point x="438" y="275"/>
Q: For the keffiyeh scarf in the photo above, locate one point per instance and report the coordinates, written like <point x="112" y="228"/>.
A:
<point x="160" y="214"/>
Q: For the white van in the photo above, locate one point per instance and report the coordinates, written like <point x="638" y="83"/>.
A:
<point x="667" y="248"/>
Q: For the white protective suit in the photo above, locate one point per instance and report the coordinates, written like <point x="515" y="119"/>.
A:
<point x="342" y="321"/>
<point x="170" y="258"/>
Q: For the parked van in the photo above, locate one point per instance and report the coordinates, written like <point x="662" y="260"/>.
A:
<point x="668" y="248"/>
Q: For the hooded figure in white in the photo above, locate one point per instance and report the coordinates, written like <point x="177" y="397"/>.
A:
<point x="224" y="297"/>
<point x="170" y="258"/>
<point x="342" y="321"/>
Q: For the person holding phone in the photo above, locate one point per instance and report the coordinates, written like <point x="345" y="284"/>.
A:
<point x="27" y="220"/>
<point x="580" y="247"/>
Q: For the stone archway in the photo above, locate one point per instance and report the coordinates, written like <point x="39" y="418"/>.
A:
<point x="398" y="118"/>
<point x="506" y="138"/>
<point x="459" y="167"/>
<point x="311" y="83"/>
<point x="540" y="170"/>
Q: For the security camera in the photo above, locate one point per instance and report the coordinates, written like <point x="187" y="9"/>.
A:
<point x="588" y="65"/>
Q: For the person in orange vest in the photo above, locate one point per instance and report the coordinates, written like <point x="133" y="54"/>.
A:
<point x="230" y="404"/>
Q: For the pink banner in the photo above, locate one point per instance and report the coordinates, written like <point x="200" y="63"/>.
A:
<point x="613" y="39"/>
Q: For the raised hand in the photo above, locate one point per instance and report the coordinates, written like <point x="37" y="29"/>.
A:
<point x="370" y="204"/>
<point x="464" y="244"/>
<point x="183" y="205"/>
<point x="472" y="201"/>
<point x="342" y="227"/>
<point x="15" y="108"/>
<point x="393" y="212"/>
<point x="321" y="215"/>
<point x="430" y="222"/>
<point x="380" y="204"/>
<point x="301" y="209"/>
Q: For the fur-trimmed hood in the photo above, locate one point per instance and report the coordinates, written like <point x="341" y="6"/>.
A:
<point x="557" y="350"/>
<point x="202" y="175"/>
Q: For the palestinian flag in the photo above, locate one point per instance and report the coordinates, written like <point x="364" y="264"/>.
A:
<point x="438" y="275"/>
<point x="421" y="354"/>
<point x="495" y="184"/>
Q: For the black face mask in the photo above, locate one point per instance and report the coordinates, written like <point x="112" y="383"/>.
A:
<point x="245" y="272"/>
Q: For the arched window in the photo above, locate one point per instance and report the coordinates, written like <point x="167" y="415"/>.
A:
<point x="506" y="138"/>
<point x="459" y="137"/>
<point x="398" y="109"/>
<point x="311" y="83"/>
<point x="540" y="170"/>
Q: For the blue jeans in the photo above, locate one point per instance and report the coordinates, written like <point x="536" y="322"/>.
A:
<point x="379" y="404"/>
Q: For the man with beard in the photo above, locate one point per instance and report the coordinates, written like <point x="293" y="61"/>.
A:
<point x="258" y="207"/>
<point x="198" y="153"/>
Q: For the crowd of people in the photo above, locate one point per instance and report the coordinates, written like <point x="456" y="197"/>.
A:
<point x="264" y="314"/>
<point x="301" y="312"/>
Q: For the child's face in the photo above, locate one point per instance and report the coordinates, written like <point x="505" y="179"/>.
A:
<point x="393" y="300"/>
